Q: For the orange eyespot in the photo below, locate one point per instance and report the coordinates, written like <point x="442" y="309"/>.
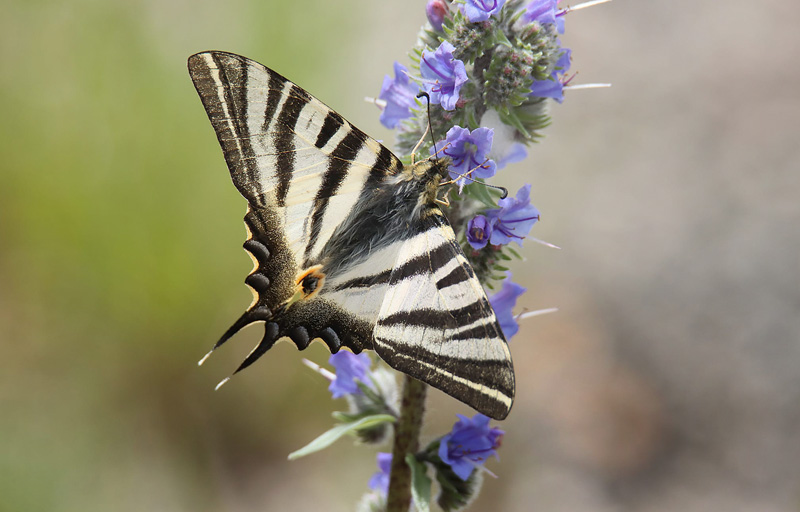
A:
<point x="310" y="281"/>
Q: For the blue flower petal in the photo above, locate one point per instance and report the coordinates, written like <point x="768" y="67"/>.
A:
<point x="469" y="151"/>
<point x="349" y="368"/>
<point x="516" y="153"/>
<point x="380" y="480"/>
<point x="542" y="11"/>
<point x="503" y="303"/>
<point x="481" y="10"/>
<point x="479" y="230"/>
<point x="469" y="444"/>
<point x="550" y="88"/>
<point x="442" y="76"/>
<point x="399" y="94"/>
<point x="514" y="219"/>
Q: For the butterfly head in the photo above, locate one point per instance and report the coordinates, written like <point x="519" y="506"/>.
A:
<point x="430" y="172"/>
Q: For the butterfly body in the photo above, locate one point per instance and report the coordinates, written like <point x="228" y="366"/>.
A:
<point x="383" y="216"/>
<point x="349" y="245"/>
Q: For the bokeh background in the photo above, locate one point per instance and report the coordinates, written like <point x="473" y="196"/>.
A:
<point x="668" y="380"/>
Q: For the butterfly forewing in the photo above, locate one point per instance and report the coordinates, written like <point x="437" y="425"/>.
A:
<point x="285" y="149"/>
<point x="322" y="195"/>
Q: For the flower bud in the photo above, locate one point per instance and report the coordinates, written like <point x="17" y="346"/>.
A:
<point x="436" y="11"/>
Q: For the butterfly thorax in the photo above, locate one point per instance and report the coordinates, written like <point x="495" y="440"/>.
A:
<point x="384" y="215"/>
<point x="424" y="177"/>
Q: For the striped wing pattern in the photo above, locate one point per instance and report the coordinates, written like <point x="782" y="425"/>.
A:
<point x="436" y="323"/>
<point x="307" y="174"/>
<point x="286" y="150"/>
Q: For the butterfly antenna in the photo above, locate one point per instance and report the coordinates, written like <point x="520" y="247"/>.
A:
<point x="427" y="127"/>
<point x="430" y="123"/>
<point x="503" y="190"/>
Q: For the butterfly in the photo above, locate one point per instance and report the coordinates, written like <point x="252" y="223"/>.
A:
<point x="348" y="244"/>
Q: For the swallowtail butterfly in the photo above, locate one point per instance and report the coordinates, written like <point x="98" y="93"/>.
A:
<point x="348" y="244"/>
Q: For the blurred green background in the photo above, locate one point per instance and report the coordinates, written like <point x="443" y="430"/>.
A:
<point x="667" y="381"/>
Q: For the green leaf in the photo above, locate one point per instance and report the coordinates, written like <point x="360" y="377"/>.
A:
<point x="333" y="435"/>
<point x="420" y="483"/>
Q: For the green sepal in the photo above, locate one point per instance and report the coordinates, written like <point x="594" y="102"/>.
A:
<point x="472" y="121"/>
<point x="333" y="435"/>
<point x="512" y="119"/>
<point x="369" y="392"/>
<point x="420" y="483"/>
<point x="517" y="15"/>
<point x="455" y="493"/>
<point x="499" y="37"/>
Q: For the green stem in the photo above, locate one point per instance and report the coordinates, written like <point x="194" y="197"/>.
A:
<point x="406" y="440"/>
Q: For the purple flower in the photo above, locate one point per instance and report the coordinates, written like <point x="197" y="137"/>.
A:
<point x="503" y="303"/>
<point x="436" y="11"/>
<point x="469" y="151"/>
<point x="399" y="95"/>
<point x="442" y="75"/>
<point x="479" y="229"/>
<point x="481" y="10"/>
<point x="469" y="444"/>
<point x="516" y="153"/>
<point x="349" y="367"/>
<point x="504" y="148"/>
<point x="553" y="87"/>
<point x="545" y="11"/>
<point x="514" y="219"/>
<point x="380" y="480"/>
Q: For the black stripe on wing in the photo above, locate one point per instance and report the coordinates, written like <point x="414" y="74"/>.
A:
<point x="285" y="139"/>
<point x="221" y="81"/>
<point x="338" y="166"/>
<point x="330" y="126"/>
<point x="365" y="281"/>
<point x="451" y="339"/>
<point x="437" y="318"/>
<point x="276" y="83"/>
<point x="458" y="275"/>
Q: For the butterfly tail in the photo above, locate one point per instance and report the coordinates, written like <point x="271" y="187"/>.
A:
<point x="266" y="343"/>
<point x="257" y="314"/>
<point x="271" y="334"/>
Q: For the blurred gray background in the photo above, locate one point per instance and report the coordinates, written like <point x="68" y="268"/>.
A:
<point x="668" y="380"/>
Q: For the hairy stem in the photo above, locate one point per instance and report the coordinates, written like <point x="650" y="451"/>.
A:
<point x="406" y="440"/>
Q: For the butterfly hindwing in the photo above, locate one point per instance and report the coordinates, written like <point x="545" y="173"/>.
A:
<point x="436" y="323"/>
